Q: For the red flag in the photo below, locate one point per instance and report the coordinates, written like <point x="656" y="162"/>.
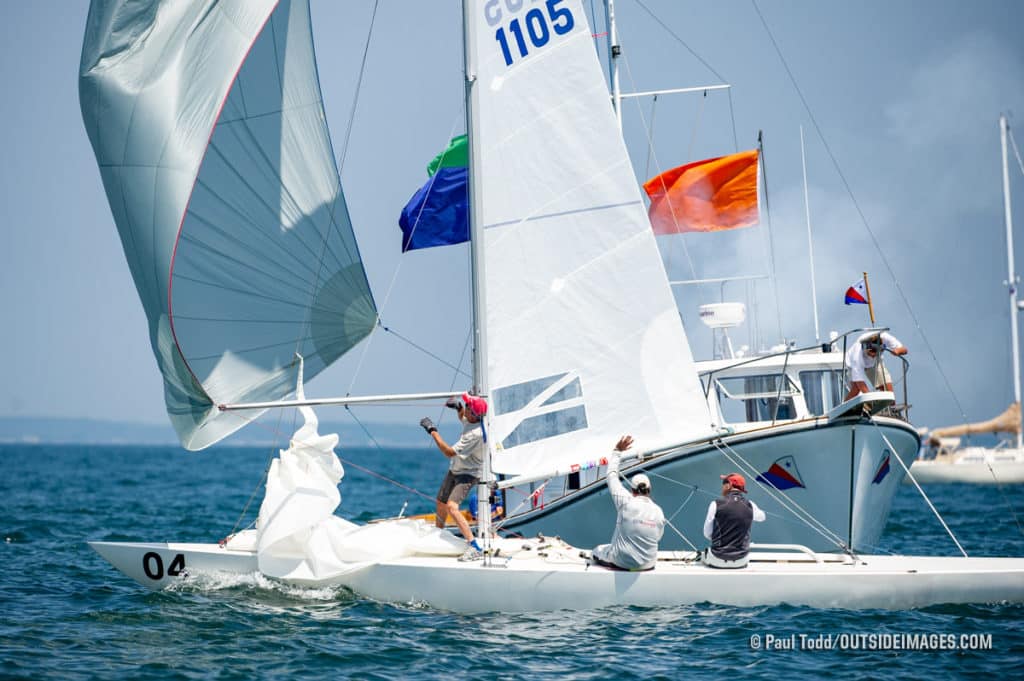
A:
<point x="705" y="196"/>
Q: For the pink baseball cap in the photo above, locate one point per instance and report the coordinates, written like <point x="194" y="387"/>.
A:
<point x="477" y="404"/>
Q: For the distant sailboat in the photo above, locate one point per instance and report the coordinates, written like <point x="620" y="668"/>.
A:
<point x="946" y="459"/>
<point x="943" y="457"/>
<point x="208" y="125"/>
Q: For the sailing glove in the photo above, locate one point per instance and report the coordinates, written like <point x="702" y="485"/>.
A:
<point x="453" y="403"/>
<point x="427" y="425"/>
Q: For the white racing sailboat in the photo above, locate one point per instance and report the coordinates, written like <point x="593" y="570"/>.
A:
<point x="208" y="125"/>
<point x="944" y="458"/>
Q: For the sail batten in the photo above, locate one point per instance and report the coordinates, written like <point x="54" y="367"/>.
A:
<point x="208" y="126"/>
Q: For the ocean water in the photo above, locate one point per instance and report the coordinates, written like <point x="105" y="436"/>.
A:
<point x="66" y="614"/>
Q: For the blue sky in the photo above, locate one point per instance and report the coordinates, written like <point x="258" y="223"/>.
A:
<point x="906" y="94"/>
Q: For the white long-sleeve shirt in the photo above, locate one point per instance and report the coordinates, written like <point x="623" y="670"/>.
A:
<point x="638" y="527"/>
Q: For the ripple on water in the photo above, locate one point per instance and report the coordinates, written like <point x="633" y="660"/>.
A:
<point x="68" y="615"/>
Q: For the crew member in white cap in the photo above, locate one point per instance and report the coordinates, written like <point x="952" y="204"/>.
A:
<point x="640" y="521"/>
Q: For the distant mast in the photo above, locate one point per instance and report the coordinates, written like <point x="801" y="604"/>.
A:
<point x="810" y="242"/>
<point x="1011" y="279"/>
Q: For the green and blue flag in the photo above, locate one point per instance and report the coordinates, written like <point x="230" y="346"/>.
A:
<point x="438" y="213"/>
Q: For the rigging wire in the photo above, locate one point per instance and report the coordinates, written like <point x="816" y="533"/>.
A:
<point x="422" y="349"/>
<point x="255" y="422"/>
<point x="770" y="236"/>
<point x="999" y="485"/>
<point x="659" y="168"/>
<point x="696" y="126"/>
<point x="860" y="212"/>
<point x="678" y="39"/>
<point x="795" y="521"/>
<point x="340" y="198"/>
<point x="732" y="118"/>
<point x="359" y="85"/>
<point x="381" y="448"/>
<point x="647" y="163"/>
<point x="276" y="431"/>
<point x="914" y="480"/>
<point x="1013" y="143"/>
<point x="786" y="502"/>
<point x="391" y="287"/>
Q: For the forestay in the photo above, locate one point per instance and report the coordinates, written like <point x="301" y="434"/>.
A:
<point x="584" y="338"/>
<point x="207" y="122"/>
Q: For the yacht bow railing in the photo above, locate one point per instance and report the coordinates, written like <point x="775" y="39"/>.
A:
<point x="901" y="409"/>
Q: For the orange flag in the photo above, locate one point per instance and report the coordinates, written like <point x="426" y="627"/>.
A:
<point x="705" y="196"/>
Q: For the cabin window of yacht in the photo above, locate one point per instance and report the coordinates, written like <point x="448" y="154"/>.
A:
<point x="822" y="390"/>
<point x="756" y="398"/>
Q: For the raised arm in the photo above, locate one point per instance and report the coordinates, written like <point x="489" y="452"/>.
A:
<point x="618" y="491"/>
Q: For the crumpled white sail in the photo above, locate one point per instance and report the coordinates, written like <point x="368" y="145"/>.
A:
<point x="208" y="126"/>
<point x="298" y="536"/>
<point x="584" y="338"/>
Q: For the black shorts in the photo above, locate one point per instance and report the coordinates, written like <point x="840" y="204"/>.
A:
<point x="455" y="487"/>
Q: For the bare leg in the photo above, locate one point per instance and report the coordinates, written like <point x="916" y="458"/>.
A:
<point x="460" y="520"/>
<point x="440" y="514"/>
<point x="856" y="388"/>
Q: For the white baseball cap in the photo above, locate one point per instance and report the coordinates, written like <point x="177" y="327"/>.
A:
<point x="640" y="480"/>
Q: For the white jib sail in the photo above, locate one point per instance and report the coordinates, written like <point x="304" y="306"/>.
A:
<point x="298" y="535"/>
<point x="584" y="338"/>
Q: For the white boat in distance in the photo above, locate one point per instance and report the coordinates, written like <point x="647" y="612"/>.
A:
<point x="207" y="122"/>
<point x="945" y="459"/>
<point x="942" y="457"/>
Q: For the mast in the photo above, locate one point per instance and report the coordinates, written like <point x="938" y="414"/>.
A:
<point x="1011" y="277"/>
<point x="614" y="50"/>
<point x="810" y="242"/>
<point x="476" y="249"/>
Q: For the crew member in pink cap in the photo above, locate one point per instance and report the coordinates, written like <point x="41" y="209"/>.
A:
<point x="728" y="523"/>
<point x="466" y="459"/>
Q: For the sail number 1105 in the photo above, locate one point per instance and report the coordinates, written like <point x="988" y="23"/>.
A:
<point x="535" y="27"/>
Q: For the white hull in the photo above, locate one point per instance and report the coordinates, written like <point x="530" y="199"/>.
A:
<point x="846" y="486"/>
<point x="998" y="472"/>
<point x="552" y="576"/>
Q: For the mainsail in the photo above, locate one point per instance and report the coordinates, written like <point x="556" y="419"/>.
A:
<point x="1007" y="422"/>
<point x="584" y="340"/>
<point x="208" y="126"/>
